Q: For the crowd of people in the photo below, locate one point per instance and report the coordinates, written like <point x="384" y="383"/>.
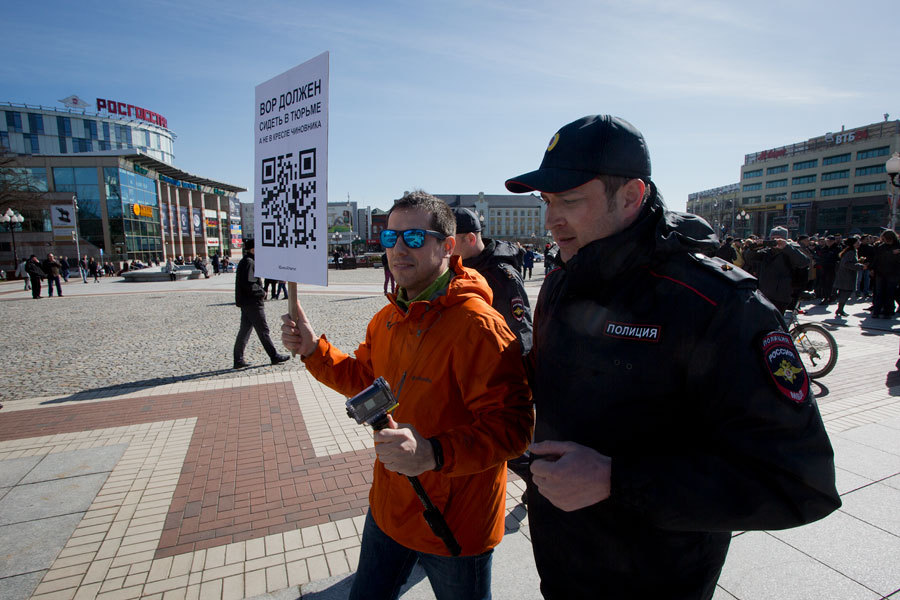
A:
<point x="828" y="269"/>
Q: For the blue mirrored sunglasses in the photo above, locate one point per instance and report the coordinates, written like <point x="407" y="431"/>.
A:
<point x="413" y="238"/>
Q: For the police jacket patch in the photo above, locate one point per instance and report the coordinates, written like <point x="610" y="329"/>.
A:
<point x="632" y="331"/>
<point x="785" y="367"/>
<point x="517" y="308"/>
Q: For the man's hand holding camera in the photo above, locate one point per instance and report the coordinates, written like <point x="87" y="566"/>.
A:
<point x="402" y="449"/>
<point x="570" y="475"/>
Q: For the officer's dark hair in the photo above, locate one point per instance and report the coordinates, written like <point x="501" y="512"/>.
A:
<point x="612" y="183"/>
<point x="442" y="219"/>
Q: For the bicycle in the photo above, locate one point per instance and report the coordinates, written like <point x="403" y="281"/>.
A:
<point x="817" y="347"/>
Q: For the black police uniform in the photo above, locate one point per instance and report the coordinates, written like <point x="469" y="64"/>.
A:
<point x="498" y="264"/>
<point x="249" y="295"/>
<point x="673" y="365"/>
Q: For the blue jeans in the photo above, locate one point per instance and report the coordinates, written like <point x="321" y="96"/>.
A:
<point x="385" y="565"/>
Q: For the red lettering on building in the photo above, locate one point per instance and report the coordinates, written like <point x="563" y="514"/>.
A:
<point x="130" y="110"/>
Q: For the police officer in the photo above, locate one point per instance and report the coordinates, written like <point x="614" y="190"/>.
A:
<point x="672" y="407"/>
<point x="496" y="260"/>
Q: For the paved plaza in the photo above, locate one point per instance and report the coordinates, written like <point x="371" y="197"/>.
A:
<point x="135" y="463"/>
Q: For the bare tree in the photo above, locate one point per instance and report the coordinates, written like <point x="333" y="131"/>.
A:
<point x="17" y="189"/>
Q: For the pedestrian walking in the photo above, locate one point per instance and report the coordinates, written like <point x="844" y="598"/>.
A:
<point x="64" y="268"/>
<point x="83" y="267"/>
<point x="388" y="276"/>
<point x="848" y="267"/>
<point x="94" y="269"/>
<point x="249" y="295"/>
<point x="23" y="273"/>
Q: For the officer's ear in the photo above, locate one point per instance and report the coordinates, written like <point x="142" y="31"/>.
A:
<point x="632" y="197"/>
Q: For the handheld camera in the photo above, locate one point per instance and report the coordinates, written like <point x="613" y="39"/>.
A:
<point x="372" y="405"/>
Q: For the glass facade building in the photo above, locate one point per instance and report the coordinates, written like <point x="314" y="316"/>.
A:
<point x="28" y="130"/>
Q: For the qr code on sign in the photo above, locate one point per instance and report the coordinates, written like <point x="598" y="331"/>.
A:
<point x="288" y="207"/>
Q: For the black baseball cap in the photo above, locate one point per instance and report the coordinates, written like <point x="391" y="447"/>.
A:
<point x="466" y="220"/>
<point x="591" y="146"/>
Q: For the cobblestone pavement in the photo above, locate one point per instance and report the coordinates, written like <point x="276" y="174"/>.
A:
<point x="114" y="333"/>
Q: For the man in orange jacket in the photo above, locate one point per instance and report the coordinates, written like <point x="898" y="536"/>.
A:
<point x="464" y="408"/>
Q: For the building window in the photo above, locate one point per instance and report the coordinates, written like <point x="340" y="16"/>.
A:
<point x="748" y="187"/>
<point x="835" y="191"/>
<point x="13" y="121"/>
<point x="838" y="158"/>
<point x="836" y="175"/>
<point x="863" y="154"/>
<point x="106" y="131"/>
<point x="775" y="170"/>
<point x="62" y="145"/>
<point x="873" y="170"/>
<point x="4" y="140"/>
<point x="31" y="144"/>
<point x="776" y="197"/>
<point x="81" y="145"/>
<point x="804" y="179"/>
<point x="832" y="218"/>
<point x="869" y="187"/>
<point x="90" y="129"/>
<point x="64" y="126"/>
<point x="776" y="183"/>
<point x="803" y="194"/>
<point x="753" y="173"/>
<point x="103" y="145"/>
<point x="752" y="200"/>
<point x="807" y="164"/>
<point x="35" y="123"/>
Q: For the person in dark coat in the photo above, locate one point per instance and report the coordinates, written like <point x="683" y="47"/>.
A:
<point x="671" y="405"/>
<point x="249" y="295"/>
<point x="51" y="268"/>
<point x="826" y="268"/>
<point x="886" y="265"/>
<point x="848" y="267"/>
<point x="775" y="265"/>
<point x="35" y="273"/>
<point x="498" y="262"/>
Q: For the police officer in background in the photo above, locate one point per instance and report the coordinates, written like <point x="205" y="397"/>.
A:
<point x="651" y="445"/>
<point x="496" y="261"/>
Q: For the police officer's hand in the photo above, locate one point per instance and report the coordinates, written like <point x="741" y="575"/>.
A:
<point x="571" y="476"/>
<point x="298" y="336"/>
<point x="402" y="449"/>
<point x="780" y="243"/>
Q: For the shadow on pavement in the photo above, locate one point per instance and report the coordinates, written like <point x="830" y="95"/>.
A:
<point x="135" y="386"/>
<point x="823" y="389"/>
<point x="892" y="382"/>
<point x="330" y="589"/>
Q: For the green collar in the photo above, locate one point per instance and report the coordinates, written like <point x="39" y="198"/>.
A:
<point x="428" y="293"/>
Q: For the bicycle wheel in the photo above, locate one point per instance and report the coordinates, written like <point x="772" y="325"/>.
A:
<point x="817" y="349"/>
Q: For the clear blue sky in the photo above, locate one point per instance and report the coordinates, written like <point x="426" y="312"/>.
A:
<point x="456" y="97"/>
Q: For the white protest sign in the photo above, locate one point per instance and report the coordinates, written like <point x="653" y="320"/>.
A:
<point x="290" y="200"/>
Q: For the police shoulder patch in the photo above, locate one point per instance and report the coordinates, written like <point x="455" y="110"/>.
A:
<point x="517" y="308"/>
<point x="784" y="366"/>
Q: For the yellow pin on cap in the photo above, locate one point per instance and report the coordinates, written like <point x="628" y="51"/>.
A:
<point x="553" y="142"/>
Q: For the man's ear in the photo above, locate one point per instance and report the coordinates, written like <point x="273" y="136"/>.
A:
<point x="633" y="195"/>
<point x="449" y="244"/>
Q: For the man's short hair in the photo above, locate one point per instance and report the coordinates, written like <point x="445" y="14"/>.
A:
<point x="442" y="219"/>
<point x="612" y="184"/>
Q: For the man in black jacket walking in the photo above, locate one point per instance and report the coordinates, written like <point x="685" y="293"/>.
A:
<point x="249" y="295"/>
<point x="651" y="447"/>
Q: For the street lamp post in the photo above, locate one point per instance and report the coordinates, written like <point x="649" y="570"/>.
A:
<point x="75" y="235"/>
<point x="743" y="218"/>
<point x="892" y="166"/>
<point x="12" y="218"/>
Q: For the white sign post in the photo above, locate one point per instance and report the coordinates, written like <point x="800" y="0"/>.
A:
<point x="290" y="202"/>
